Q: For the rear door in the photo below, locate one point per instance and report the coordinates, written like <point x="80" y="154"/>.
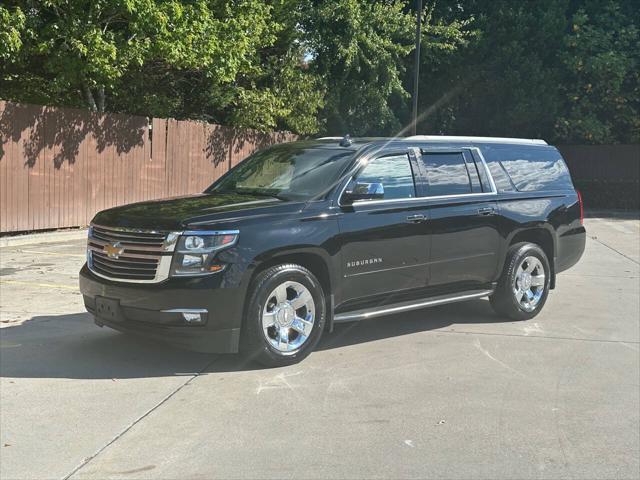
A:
<point x="463" y="217"/>
<point x="384" y="243"/>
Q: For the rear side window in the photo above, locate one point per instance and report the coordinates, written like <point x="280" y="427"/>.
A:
<point x="447" y="173"/>
<point x="394" y="173"/>
<point x="532" y="168"/>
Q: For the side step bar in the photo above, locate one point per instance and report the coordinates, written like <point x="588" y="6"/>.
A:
<point x="407" y="306"/>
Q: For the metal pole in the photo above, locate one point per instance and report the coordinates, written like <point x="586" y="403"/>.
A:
<point x="416" y="68"/>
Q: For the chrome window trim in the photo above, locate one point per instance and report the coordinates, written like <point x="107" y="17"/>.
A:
<point x="494" y="189"/>
<point x="492" y="193"/>
<point x="424" y="199"/>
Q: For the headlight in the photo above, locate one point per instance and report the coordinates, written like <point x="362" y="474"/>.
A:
<point x="196" y="251"/>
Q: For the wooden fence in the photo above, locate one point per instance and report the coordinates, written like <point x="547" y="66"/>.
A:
<point x="59" y="166"/>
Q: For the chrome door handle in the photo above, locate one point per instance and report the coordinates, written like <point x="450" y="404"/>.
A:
<point x="416" y="218"/>
<point x="486" y="211"/>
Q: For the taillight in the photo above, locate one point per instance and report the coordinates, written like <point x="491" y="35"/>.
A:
<point x="581" y="207"/>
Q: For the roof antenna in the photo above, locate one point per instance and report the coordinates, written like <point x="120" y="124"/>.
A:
<point x="346" y="141"/>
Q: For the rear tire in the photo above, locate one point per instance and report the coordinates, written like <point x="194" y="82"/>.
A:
<point x="285" y="316"/>
<point x="523" y="287"/>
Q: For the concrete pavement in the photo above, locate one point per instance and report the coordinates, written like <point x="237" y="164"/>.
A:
<point x="447" y="392"/>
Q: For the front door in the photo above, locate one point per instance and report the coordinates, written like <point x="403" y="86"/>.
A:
<point x="384" y="246"/>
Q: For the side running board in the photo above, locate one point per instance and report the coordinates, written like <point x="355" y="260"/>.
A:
<point x="407" y="306"/>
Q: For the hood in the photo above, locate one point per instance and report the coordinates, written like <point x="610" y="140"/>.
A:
<point x="194" y="211"/>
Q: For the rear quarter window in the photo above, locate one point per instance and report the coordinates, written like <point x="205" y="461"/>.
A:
<point x="530" y="168"/>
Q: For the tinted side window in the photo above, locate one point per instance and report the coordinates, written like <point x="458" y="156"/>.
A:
<point x="394" y="173"/>
<point x="446" y="173"/>
<point x="500" y="177"/>
<point x="533" y="168"/>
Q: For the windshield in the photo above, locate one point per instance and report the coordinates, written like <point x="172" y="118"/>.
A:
<point x="288" y="171"/>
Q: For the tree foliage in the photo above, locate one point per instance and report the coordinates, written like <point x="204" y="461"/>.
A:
<point x="564" y="70"/>
<point x="211" y="59"/>
<point x="358" y="48"/>
<point x="602" y="66"/>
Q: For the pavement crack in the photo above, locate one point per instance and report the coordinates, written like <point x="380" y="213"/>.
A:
<point x="88" y="459"/>
<point x="488" y="354"/>
<point x="627" y="343"/>
<point x="613" y="249"/>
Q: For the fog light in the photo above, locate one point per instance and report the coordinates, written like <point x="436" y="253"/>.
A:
<point x="192" y="260"/>
<point x="193" y="318"/>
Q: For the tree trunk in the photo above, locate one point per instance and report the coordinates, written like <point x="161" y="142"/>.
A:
<point x="88" y="96"/>
<point x="101" y="98"/>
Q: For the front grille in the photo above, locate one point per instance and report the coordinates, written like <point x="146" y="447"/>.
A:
<point x="128" y="255"/>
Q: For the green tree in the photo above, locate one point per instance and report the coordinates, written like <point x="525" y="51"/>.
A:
<point x="213" y="59"/>
<point x="11" y="26"/>
<point x="363" y="50"/>
<point x="562" y="70"/>
<point x="506" y="82"/>
<point x="358" y="47"/>
<point x="602" y="66"/>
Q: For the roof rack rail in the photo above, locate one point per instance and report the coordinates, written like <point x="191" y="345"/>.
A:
<point x="345" y="141"/>
<point x="448" y="138"/>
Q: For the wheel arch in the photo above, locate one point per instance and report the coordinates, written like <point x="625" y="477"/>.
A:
<point x="314" y="259"/>
<point x="544" y="236"/>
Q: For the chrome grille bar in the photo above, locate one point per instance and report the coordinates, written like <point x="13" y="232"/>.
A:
<point x="130" y="255"/>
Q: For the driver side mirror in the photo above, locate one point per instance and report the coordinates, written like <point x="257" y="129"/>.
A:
<point x="363" y="191"/>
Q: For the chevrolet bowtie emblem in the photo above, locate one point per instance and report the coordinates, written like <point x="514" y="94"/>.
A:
<point x="113" y="250"/>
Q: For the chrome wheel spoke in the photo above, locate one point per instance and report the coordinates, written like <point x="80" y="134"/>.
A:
<point x="302" y="326"/>
<point x="529" y="283"/>
<point x="301" y="300"/>
<point x="287" y="324"/>
<point x="283" y="339"/>
<point x="532" y="264"/>
<point x="268" y="319"/>
<point x="537" y="281"/>
<point x="281" y="293"/>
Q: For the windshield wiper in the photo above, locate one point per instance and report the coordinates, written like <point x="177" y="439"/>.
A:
<point x="261" y="193"/>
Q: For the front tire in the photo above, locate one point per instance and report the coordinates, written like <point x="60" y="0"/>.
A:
<point x="285" y="316"/>
<point x="524" y="286"/>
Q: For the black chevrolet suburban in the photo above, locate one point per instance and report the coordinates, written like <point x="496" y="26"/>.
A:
<point x="303" y="235"/>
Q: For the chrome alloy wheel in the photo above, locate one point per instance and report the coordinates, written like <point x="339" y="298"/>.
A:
<point x="529" y="282"/>
<point x="288" y="316"/>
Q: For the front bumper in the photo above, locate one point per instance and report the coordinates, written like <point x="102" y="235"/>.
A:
<point x="141" y="309"/>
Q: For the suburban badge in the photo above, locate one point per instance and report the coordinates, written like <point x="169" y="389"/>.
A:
<point x="366" y="261"/>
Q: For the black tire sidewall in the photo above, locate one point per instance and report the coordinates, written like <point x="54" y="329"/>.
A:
<point x="255" y="345"/>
